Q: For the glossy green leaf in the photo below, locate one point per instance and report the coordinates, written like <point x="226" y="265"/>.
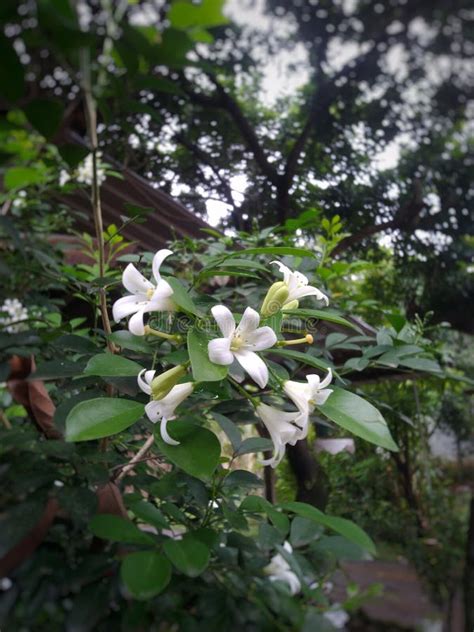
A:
<point x="344" y="527"/>
<point x="101" y="417"/>
<point x="258" y="504"/>
<point x="20" y="177"/>
<point x="275" y="250"/>
<point x="321" y="314"/>
<point x="150" y="514"/>
<point x="198" y="452"/>
<point x="207" y="13"/>
<point x="145" y="574"/>
<point x="203" y="369"/>
<point x="230" y="428"/>
<point x="421" y="364"/>
<point x="189" y="555"/>
<point x="111" y="365"/>
<point x="117" y="529"/>
<point x="127" y="340"/>
<point x="305" y="358"/>
<point x="181" y="296"/>
<point x="45" y="115"/>
<point x="255" y="444"/>
<point x="359" y="417"/>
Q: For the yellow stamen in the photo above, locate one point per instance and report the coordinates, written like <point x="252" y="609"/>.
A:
<point x="308" y="339"/>
<point x="161" y="334"/>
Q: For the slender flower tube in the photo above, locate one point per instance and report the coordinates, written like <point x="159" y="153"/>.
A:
<point x="241" y="342"/>
<point x="282" y="430"/>
<point x="307" y="396"/>
<point x="280" y="570"/>
<point x="144" y="295"/>
<point x="298" y="287"/>
<point x="163" y="410"/>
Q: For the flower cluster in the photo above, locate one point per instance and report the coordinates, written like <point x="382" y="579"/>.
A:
<point x="238" y="349"/>
<point x="84" y="172"/>
<point x="14" y="314"/>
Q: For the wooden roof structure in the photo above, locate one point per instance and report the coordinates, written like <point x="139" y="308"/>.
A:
<point x="167" y="220"/>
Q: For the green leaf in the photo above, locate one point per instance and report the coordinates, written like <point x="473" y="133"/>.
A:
<point x="344" y="527"/>
<point x="181" y="296"/>
<point x="198" y="452"/>
<point x="274" y="250"/>
<point x="145" y="574"/>
<point x="230" y="428"/>
<point x="242" y="478"/>
<point x="189" y="555"/>
<point x="56" y="369"/>
<point x="117" y="529"/>
<point x="110" y="365"/>
<point x="255" y="444"/>
<point x="101" y="417"/>
<point x="12" y="74"/>
<point x="306" y="358"/>
<point x="421" y="364"/>
<point x="257" y="504"/>
<point x="127" y="340"/>
<point x="303" y="531"/>
<point x="359" y="417"/>
<point x="149" y="514"/>
<point x="208" y="13"/>
<point x="322" y="314"/>
<point x="203" y="369"/>
<point x="45" y="115"/>
<point x="20" y="177"/>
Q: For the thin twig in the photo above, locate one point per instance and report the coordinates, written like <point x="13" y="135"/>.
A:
<point x="91" y="122"/>
<point x="137" y="458"/>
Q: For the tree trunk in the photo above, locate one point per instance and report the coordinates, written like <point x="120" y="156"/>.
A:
<point x="311" y="479"/>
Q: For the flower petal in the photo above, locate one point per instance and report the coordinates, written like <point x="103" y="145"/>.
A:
<point x="164" y="433"/>
<point x="128" y="305"/>
<point x="249" y="322"/>
<point x="261" y="338"/>
<point x="219" y="351"/>
<point x="145" y="383"/>
<point x="327" y="380"/>
<point x="135" y="324"/>
<point x="153" y="411"/>
<point x="224" y="319"/>
<point x="134" y="281"/>
<point x="322" y="396"/>
<point x="253" y="365"/>
<point x="308" y="290"/>
<point x="286" y="271"/>
<point x="158" y="259"/>
<point x="237" y="372"/>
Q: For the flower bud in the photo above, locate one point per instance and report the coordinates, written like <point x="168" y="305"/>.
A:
<point x="291" y="305"/>
<point x="275" y="299"/>
<point x="163" y="383"/>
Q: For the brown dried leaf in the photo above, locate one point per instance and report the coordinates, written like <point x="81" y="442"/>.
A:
<point x="28" y="545"/>
<point x="32" y="395"/>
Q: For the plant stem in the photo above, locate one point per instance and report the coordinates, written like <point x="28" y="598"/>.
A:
<point x="137" y="458"/>
<point x="91" y="122"/>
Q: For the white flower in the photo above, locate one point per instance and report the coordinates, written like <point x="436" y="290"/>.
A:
<point x="163" y="410"/>
<point x="16" y="313"/>
<point x="240" y="343"/>
<point x="280" y="570"/>
<point x="85" y="170"/>
<point x="145" y="296"/>
<point x="307" y="396"/>
<point x="64" y="177"/>
<point x="282" y="430"/>
<point x="298" y="287"/>
<point x="338" y="617"/>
